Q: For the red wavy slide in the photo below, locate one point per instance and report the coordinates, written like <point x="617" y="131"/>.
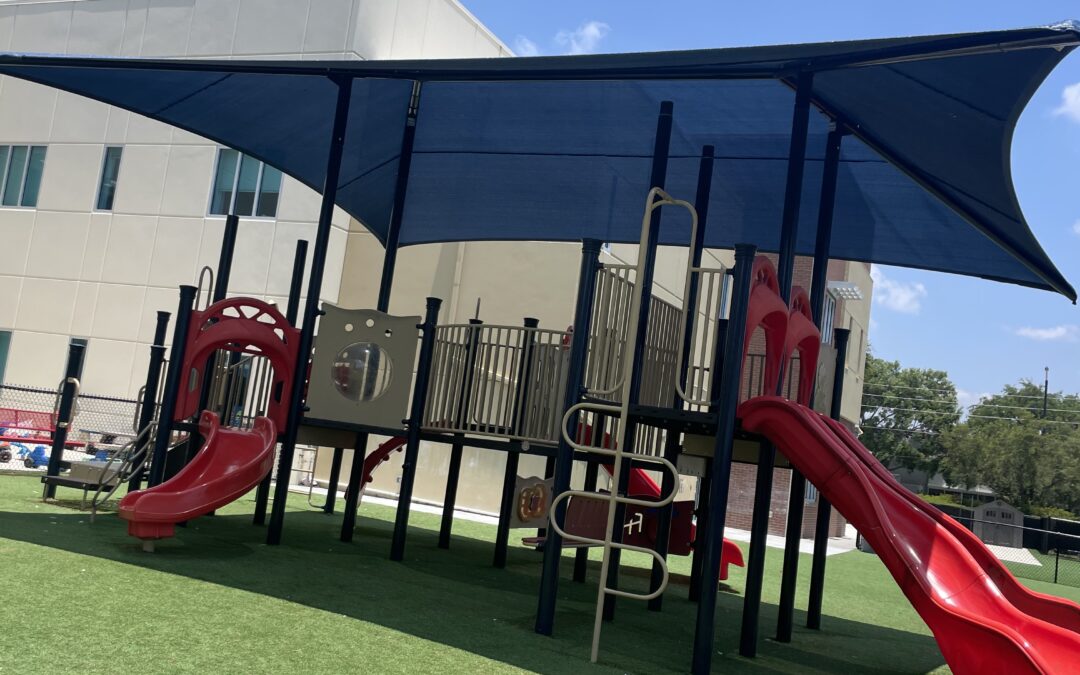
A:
<point x="982" y="619"/>
<point x="230" y="463"/>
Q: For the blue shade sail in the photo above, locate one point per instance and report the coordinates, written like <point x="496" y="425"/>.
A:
<point x="558" y="148"/>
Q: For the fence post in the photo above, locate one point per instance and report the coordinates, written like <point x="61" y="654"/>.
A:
<point x="1057" y="563"/>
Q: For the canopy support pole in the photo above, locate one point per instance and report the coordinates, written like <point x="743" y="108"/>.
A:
<point x="759" y="528"/>
<point x="311" y="309"/>
<point x="797" y="497"/>
<point x="658" y="177"/>
<point x="564" y="458"/>
<point x="672" y="446"/>
<point x="401" y="188"/>
<point x="725" y="389"/>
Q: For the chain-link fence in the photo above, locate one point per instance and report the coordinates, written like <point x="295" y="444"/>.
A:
<point x="1036" y="553"/>
<point x="28" y="417"/>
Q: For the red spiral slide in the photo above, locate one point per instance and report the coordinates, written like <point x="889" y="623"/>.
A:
<point x="982" y="619"/>
<point x="230" y="463"/>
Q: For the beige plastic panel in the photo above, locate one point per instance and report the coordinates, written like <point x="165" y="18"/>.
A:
<point x="384" y="397"/>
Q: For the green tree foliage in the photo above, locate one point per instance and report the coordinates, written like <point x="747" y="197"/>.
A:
<point x="1007" y="445"/>
<point x="904" y="413"/>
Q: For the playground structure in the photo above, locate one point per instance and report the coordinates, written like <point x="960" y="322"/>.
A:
<point x="635" y="383"/>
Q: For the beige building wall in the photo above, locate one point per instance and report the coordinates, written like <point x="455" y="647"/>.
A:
<point x="71" y="271"/>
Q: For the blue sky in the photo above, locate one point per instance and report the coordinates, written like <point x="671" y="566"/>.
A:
<point x="984" y="334"/>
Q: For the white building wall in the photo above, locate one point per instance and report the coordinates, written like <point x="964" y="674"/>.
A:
<point x="70" y="271"/>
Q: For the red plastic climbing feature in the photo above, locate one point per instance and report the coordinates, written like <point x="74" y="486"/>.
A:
<point x="244" y="325"/>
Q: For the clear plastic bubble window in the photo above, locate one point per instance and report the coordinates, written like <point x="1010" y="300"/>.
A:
<point x="362" y="372"/>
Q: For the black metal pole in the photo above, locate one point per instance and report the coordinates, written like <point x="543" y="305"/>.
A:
<point x="150" y="390"/>
<point x="292" y="311"/>
<point x="173" y="375"/>
<point x="549" y="470"/>
<point x="401" y="188"/>
<point x="69" y="393"/>
<point x="453" y="473"/>
<point x="713" y="537"/>
<point x="824" y="513"/>
<point x="416" y="418"/>
<point x="506" y="503"/>
<point x="658" y="178"/>
<point x="225" y="258"/>
<point x="296" y="284"/>
<point x="356" y="484"/>
<point x="311" y="309"/>
<point x="457" y="448"/>
<point x="672" y="446"/>
<point x="759" y="526"/>
<point x="221" y="289"/>
<point x="704" y="506"/>
<point x="564" y="458"/>
<point x="592" y="469"/>
<point x="332" y="483"/>
<point x="797" y="498"/>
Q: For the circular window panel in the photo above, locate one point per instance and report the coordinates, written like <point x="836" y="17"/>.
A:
<point x="362" y="372"/>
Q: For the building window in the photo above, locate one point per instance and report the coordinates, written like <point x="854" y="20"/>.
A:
<point x="811" y="494"/>
<point x="20" y="174"/>
<point x="5" y="347"/>
<point x="244" y="186"/>
<point x="110" y="169"/>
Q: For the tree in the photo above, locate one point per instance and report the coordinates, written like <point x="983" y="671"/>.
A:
<point x="904" y="412"/>
<point x="1006" y="444"/>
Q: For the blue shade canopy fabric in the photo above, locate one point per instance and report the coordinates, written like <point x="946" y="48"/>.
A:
<point x="559" y="148"/>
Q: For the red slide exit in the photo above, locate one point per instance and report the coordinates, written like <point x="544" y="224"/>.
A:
<point x="981" y="624"/>
<point x="230" y="463"/>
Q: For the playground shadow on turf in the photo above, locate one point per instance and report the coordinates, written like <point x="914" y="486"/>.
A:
<point x="458" y="599"/>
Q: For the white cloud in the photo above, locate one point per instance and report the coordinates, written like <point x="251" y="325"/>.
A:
<point x="1064" y="332"/>
<point x="1076" y="228"/>
<point x="586" y="38"/>
<point x="523" y="46"/>
<point x="1070" y="102"/>
<point x="897" y="295"/>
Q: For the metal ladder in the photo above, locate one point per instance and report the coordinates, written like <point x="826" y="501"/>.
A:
<point x="655" y="199"/>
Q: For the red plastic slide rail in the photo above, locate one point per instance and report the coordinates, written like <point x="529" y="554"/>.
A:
<point x="244" y="325"/>
<point x="787" y="329"/>
<point x="803" y="336"/>
<point x="767" y="310"/>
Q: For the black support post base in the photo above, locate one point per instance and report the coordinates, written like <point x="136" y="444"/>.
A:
<point x="450" y="500"/>
<point x="332" y="483"/>
<point x="506" y="509"/>
<point x="352" y="491"/>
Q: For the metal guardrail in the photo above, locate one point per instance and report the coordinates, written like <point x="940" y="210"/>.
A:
<point x="494" y="380"/>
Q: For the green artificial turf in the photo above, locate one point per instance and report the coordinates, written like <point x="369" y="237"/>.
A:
<point x="82" y="597"/>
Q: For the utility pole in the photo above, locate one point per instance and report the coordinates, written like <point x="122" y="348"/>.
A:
<point x="1046" y="388"/>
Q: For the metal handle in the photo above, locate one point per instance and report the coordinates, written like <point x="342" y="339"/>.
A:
<point x="74" y="402"/>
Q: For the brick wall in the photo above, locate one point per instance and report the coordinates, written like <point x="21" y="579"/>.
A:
<point x="741" y="503"/>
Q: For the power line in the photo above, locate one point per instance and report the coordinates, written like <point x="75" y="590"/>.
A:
<point x="982" y="417"/>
